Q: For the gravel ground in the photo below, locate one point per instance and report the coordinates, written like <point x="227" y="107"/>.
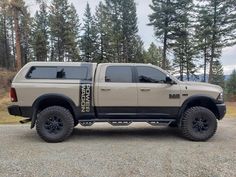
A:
<point x="106" y="151"/>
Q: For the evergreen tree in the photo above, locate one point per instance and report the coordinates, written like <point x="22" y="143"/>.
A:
<point x="63" y="22"/>
<point x="184" y="46"/>
<point x="104" y="34"/>
<point x="231" y="84"/>
<point x="154" y="55"/>
<point x="223" y="32"/>
<point x="113" y="8"/>
<point x="40" y="33"/>
<point x="129" y="29"/>
<point x="202" y="31"/>
<point x="138" y="50"/>
<point x="25" y="23"/>
<point x="123" y="18"/>
<point x="72" y="35"/>
<point x="163" y="20"/>
<point x="5" y="53"/>
<point x="89" y="37"/>
<point x="218" y="74"/>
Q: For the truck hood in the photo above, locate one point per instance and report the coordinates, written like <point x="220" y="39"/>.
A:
<point x="203" y="84"/>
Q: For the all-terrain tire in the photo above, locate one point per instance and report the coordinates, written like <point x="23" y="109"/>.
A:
<point x="55" y="124"/>
<point x="198" y="124"/>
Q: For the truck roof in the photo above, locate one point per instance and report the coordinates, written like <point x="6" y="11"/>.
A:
<point x="36" y="63"/>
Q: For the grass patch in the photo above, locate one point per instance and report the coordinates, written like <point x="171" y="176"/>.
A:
<point x="5" y="118"/>
<point x="231" y="109"/>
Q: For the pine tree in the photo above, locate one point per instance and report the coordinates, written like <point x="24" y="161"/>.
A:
<point x="184" y="46"/>
<point x="218" y="74"/>
<point x="202" y="31"/>
<point x="163" y="20"/>
<point x="4" y="40"/>
<point x="129" y="29"/>
<point x="223" y="32"/>
<point x="154" y="55"/>
<point x="72" y="37"/>
<point x="89" y="37"/>
<point x="104" y="34"/>
<point x="123" y="21"/>
<point x="63" y="22"/>
<point x="25" y="23"/>
<point x="40" y="33"/>
<point x="113" y="8"/>
<point x="138" y="50"/>
<point x="231" y="84"/>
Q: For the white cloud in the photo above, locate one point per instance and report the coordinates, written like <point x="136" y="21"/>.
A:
<point x="228" y="69"/>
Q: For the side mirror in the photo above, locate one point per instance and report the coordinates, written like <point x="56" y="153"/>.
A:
<point x="170" y="81"/>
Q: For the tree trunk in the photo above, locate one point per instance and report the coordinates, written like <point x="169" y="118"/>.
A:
<point x="213" y="45"/>
<point x="18" y="47"/>
<point x="205" y="63"/>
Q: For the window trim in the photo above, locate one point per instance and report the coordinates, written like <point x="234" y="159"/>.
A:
<point x="136" y="75"/>
<point x="132" y="73"/>
<point x="27" y="74"/>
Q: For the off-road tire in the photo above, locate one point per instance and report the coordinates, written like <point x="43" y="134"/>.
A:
<point x="55" y="124"/>
<point x="198" y="124"/>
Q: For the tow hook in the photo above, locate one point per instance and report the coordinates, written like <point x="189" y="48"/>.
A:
<point x="25" y="121"/>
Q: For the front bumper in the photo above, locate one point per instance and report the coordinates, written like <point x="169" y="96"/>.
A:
<point x="221" y="110"/>
<point x="20" y="111"/>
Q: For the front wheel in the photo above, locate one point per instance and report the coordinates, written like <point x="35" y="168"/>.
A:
<point x="54" y="124"/>
<point x="198" y="124"/>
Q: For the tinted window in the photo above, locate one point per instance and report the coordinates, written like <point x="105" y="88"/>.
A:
<point x="150" y="75"/>
<point x="72" y="73"/>
<point x="119" y="74"/>
<point x="41" y="72"/>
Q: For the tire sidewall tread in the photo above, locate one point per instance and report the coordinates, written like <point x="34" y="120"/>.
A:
<point x="187" y="116"/>
<point x="66" y="115"/>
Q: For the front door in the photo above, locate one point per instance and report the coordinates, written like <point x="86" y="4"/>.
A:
<point x="156" y="98"/>
<point x="116" y="92"/>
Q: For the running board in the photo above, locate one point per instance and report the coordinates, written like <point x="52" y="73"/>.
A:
<point x="120" y="123"/>
<point x="161" y="123"/>
<point x="126" y="122"/>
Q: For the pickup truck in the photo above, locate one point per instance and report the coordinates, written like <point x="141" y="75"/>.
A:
<point x="57" y="96"/>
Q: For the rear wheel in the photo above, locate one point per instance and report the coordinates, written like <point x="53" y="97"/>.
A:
<point x="198" y="124"/>
<point x="55" y="124"/>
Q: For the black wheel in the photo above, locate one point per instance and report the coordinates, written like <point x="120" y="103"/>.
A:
<point x="55" y="124"/>
<point x="198" y="124"/>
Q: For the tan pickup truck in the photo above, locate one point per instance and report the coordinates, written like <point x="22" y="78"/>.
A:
<point x="57" y="96"/>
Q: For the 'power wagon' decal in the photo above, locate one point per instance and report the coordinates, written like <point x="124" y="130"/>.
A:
<point x="85" y="98"/>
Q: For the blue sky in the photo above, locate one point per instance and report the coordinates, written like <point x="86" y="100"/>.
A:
<point x="146" y="32"/>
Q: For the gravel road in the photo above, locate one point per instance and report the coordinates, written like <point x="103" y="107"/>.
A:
<point x="106" y="151"/>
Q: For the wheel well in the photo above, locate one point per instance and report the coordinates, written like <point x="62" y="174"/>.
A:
<point x="203" y="102"/>
<point x="55" y="101"/>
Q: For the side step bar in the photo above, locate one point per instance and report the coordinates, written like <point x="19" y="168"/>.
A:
<point x="125" y="122"/>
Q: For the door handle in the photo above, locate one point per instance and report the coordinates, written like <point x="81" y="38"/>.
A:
<point x="105" y="89"/>
<point x="145" y="89"/>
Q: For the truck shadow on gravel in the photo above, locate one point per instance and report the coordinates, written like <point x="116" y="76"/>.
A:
<point x="126" y="133"/>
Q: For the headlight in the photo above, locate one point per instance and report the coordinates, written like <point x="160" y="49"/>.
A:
<point x="221" y="97"/>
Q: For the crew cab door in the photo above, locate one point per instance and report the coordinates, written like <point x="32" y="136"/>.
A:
<point x="156" y="98"/>
<point x="116" y="92"/>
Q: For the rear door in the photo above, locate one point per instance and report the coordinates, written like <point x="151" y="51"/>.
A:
<point x="116" y="92"/>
